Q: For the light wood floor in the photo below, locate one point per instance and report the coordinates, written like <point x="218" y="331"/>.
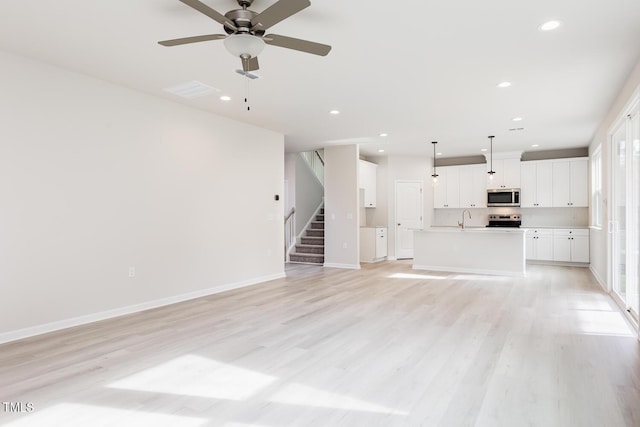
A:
<point x="383" y="346"/>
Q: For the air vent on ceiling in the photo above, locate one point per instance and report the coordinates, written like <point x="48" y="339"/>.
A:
<point x="516" y="129"/>
<point x="193" y="89"/>
<point x="248" y="74"/>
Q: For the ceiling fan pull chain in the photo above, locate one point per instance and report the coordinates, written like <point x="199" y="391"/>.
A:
<point x="246" y="98"/>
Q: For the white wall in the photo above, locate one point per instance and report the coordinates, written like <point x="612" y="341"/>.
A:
<point x="290" y="180"/>
<point x="341" y="189"/>
<point x="599" y="236"/>
<point x="96" y="178"/>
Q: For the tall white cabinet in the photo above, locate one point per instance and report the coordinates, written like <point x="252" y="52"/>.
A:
<point x="536" y="184"/>
<point x="570" y="187"/>
<point x="473" y="186"/>
<point x="446" y="193"/>
<point x="367" y="177"/>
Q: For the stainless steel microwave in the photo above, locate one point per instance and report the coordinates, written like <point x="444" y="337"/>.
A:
<point x="503" y="197"/>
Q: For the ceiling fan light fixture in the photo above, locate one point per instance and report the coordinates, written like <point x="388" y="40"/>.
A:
<point x="243" y="45"/>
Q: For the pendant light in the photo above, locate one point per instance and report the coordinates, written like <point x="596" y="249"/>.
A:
<point x="434" y="175"/>
<point x="491" y="171"/>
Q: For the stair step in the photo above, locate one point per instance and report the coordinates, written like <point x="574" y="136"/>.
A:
<point x="307" y="258"/>
<point x="309" y="249"/>
<point x="317" y="225"/>
<point x="322" y="211"/>
<point x="320" y="217"/>
<point x="316" y="241"/>
<point x="314" y="232"/>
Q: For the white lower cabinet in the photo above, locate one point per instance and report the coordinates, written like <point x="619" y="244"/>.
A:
<point x="571" y="245"/>
<point x="559" y="244"/>
<point x="540" y="244"/>
<point x="373" y="244"/>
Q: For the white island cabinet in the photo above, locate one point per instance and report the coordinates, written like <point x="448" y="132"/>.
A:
<point x="497" y="251"/>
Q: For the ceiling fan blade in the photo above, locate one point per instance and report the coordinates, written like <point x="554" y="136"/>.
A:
<point x="297" y="44"/>
<point x="215" y="15"/>
<point x="194" y="39"/>
<point x="277" y="12"/>
<point x="250" y="64"/>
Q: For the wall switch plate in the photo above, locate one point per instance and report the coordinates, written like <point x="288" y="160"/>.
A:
<point x="132" y="272"/>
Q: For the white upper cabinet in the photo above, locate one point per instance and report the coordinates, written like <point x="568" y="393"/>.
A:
<point x="367" y="177"/>
<point x="570" y="187"/>
<point x="473" y="188"/>
<point x="507" y="174"/>
<point x="446" y="193"/>
<point x="536" y="184"/>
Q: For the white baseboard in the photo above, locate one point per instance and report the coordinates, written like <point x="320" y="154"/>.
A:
<point x="108" y="314"/>
<point x="348" y="266"/>
<point x="598" y="278"/>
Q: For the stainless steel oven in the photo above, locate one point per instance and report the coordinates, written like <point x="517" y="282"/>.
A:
<point x="503" y="197"/>
<point x="512" y="220"/>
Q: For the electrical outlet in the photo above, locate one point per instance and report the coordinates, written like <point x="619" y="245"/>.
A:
<point x="132" y="272"/>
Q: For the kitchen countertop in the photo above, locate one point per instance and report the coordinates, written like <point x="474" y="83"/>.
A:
<point x="551" y="227"/>
<point x="453" y="229"/>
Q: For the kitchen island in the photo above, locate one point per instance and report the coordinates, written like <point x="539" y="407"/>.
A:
<point x="497" y="251"/>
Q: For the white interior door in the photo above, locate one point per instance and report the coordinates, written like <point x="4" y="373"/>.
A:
<point x="409" y="206"/>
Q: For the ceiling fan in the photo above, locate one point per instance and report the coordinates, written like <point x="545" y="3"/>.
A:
<point x="245" y="30"/>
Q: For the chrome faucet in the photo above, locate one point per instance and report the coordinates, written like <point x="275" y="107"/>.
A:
<point x="461" y="224"/>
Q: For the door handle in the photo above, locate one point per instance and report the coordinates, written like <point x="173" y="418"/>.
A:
<point x="399" y="224"/>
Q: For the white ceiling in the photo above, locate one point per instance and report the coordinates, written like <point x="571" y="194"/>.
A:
<point x="419" y="70"/>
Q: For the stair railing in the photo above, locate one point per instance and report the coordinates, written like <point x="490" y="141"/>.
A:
<point x="289" y="232"/>
<point x="316" y="162"/>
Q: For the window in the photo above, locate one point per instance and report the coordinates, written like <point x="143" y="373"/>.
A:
<point x="596" y="188"/>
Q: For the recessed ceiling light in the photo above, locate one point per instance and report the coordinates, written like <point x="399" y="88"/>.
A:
<point x="535" y="145"/>
<point x="504" y="84"/>
<point x="516" y="119"/>
<point x="549" y="26"/>
<point x="483" y="149"/>
<point x="225" y="98"/>
<point x="438" y="154"/>
<point x="381" y="151"/>
<point x="384" y="134"/>
<point x="334" y="112"/>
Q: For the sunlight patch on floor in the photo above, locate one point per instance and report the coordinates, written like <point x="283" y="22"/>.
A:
<point x="598" y="322"/>
<point x="474" y="277"/>
<point x="242" y="425"/>
<point x="414" y="276"/>
<point x="76" y="415"/>
<point x="302" y="395"/>
<point x="192" y="375"/>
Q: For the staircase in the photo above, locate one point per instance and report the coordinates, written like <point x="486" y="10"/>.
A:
<point x="310" y="250"/>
